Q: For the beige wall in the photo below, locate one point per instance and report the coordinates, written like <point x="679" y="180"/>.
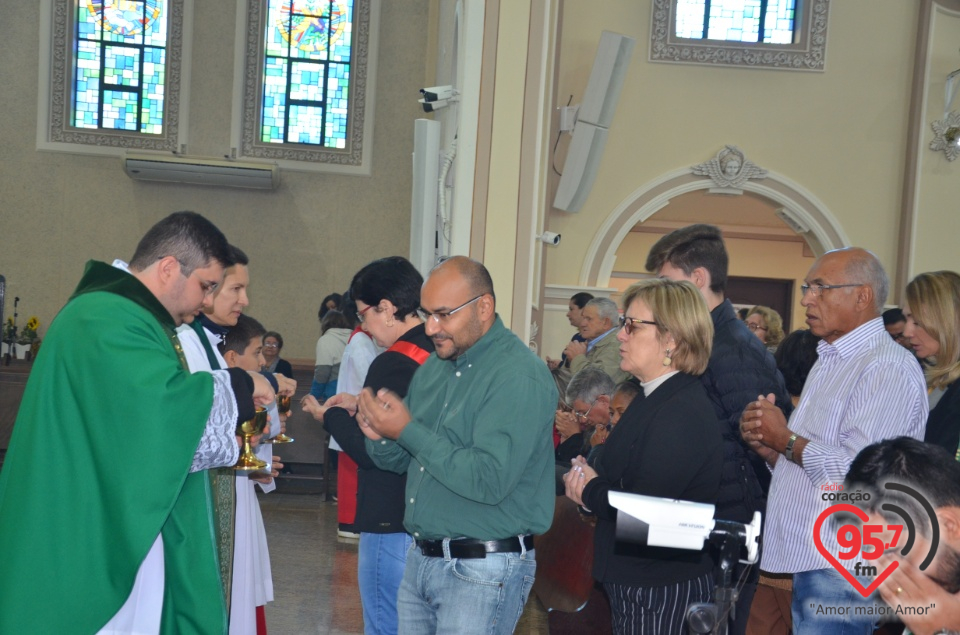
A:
<point x="937" y="217"/>
<point x="305" y="239"/>
<point x="839" y="134"/>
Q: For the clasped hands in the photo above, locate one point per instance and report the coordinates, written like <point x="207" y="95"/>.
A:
<point x="577" y="478"/>
<point x="764" y="428"/>
<point x="566" y="424"/>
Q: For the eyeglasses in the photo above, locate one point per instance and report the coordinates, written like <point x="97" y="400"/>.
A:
<point x="207" y="286"/>
<point x="582" y="416"/>
<point x="629" y="324"/>
<point x="443" y="316"/>
<point x="270" y="345"/>
<point x="756" y="327"/>
<point x="360" y="313"/>
<point x="818" y="289"/>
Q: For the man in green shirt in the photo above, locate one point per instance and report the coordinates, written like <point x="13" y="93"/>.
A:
<point x="474" y="438"/>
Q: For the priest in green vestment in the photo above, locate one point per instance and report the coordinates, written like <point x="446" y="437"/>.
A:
<point x="105" y="511"/>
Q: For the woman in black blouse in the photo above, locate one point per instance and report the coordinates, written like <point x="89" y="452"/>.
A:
<point x="668" y="445"/>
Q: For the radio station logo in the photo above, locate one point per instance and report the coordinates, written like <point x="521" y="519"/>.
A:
<point x="862" y="543"/>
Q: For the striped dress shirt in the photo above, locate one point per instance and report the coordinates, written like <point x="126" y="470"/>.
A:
<point x="864" y="388"/>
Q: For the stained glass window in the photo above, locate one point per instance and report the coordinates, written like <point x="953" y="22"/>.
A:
<point x="307" y="71"/>
<point x="120" y="65"/>
<point x="766" y="21"/>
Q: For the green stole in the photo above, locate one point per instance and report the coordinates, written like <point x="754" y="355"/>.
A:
<point x="223" y="483"/>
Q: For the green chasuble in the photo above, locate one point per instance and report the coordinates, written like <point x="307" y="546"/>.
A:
<point x="98" y="466"/>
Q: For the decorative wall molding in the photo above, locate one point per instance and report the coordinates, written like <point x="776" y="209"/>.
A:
<point x="807" y="54"/>
<point x="729" y="169"/>
<point x="946" y="135"/>
<point x="825" y="233"/>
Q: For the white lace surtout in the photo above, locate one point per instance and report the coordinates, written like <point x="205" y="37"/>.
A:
<point x="218" y="445"/>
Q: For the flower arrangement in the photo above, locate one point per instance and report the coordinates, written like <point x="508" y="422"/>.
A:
<point x="9" y="330"/>
<point x="29" y="332"/>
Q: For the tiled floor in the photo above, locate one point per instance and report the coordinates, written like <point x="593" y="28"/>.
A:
<point x="315" y="576"/>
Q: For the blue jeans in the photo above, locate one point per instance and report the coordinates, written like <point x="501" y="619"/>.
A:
<point x="381" y="559"/>
<point x="464" y="596"/>
<point x="824" y="602"/>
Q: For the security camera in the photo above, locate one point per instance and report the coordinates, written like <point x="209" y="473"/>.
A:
<point x="430" y="106"/>
<point x="549" y="238"/>
<point x="664" y="522"/>
<point x="438" y="93"/>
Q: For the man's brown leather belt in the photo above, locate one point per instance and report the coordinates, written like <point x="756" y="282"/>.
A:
<point x="470" y="548"/>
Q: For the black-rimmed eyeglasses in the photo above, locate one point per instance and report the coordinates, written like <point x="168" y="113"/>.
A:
<point x="629" y="324"/>
<point x="443" y="316"/>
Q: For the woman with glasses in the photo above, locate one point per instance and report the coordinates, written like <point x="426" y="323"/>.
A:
<point x="387" y="295"/>
<point x="666" y="445"/>
<point x="272" y="345"/>
<point x="933" y="331"/>
<point x="767" y="325"/>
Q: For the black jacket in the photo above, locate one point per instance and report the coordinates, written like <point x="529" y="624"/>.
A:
<point x="740" y="369"/>
<point x="379" y="493"/>
<point x="666" y="445"/>
<point x="943" y="424"/>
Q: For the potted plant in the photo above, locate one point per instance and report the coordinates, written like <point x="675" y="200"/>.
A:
<point x="27" y="338"/>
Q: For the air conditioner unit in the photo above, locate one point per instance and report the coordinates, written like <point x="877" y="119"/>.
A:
<point x="200" y="171"/>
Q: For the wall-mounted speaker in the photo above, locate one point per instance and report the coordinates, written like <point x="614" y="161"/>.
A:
<point x="593" y="120"/>
<point x="423" y="204"/>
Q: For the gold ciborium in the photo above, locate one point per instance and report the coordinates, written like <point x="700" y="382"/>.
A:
<point x="283" y="407"/>
<point x="248" y="461"/>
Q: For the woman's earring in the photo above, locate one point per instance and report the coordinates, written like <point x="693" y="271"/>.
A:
<point x="667" y="360"/>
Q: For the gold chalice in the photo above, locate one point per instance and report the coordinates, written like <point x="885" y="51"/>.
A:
<point x="248" y="461"/>
<point x="283" y="407"/>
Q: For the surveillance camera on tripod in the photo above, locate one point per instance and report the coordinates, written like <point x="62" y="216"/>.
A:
<point x="663" y="522"/>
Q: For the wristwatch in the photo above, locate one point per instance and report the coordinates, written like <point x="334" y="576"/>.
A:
<point x="788" y="452"/>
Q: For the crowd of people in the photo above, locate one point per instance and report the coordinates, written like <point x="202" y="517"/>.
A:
<point x="454" y="441"/>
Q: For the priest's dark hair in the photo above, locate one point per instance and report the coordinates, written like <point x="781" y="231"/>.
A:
<point x="240" y="336"/>
<point x="187" y="236"/>
<point x="393" y="278"/>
